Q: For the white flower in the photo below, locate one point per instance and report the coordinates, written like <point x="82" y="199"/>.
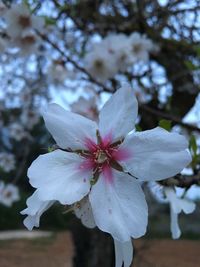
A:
<point x="176" y="206"/>
<point x="35" y="208"/>
<point x="140" y="46"/>
<point x="19" y="21"/>
<point x="7" y="161"/>
<point x="8" y="194"/>
<point x="101" y="162"/>
<point x="118" y="46"/>
<point x="86" y="107"/>
<point x="101" y="64"/>
<point x="17" y="131"/>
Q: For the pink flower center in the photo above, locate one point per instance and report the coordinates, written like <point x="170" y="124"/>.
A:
<point x="104" y="156"/>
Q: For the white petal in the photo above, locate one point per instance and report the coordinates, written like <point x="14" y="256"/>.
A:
<point x="35" y="208"/>
<point x="188" y="206"/>
<point x="155" y="154"/>
<point x="178" y="204"/>
<point x="58" y="176"/>
<point x="83" y="211"/>
<point x="173" y="199"/>
<point x="118" y="115"/>
<point x="30" y="222"/>
<point x="69" y="130"/>
<point x="123" y="253"/>
<point x="118" y="254"/>
<point x="175" y="229"/>
<point x="119" y="207"/>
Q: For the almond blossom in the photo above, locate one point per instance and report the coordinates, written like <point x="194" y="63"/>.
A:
<point x="105" y="164"/>
<point x="166" y="194"/>
<point x="176" y="206"/>
<point x="21" y="26"/>
<point x="140" y="46"/>
<point x="17" y="131"/>
<point x="9" y="193"/>
<point x="118" y="46"/>
<point x="7" y="161"/>
<point x="20" y="21"/>
<point x="101" y="64"/>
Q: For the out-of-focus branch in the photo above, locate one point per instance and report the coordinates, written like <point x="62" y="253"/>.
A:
<point x="168" y="116"/>
<point x="184" y="181"/>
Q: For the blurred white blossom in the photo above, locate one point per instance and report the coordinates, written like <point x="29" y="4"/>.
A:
<point x="118" y="46"/>
<point x="7" y="161"/>
<point x="100" y="64"/>
<point x="9" y="194"/>
<point x="17" y="131"/>
<point x="140" y="46"/>
<point x="164" y="194"/>
<point x="21" y="26"/>
<point x="20" y="21"/>
<point x="117" y="52"/>
<point x="177" y="205"/>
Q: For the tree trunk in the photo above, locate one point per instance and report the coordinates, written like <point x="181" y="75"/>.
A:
<point x="93" y="248"/>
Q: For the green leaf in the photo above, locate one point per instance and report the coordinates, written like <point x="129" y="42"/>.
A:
<point x="50" y="149"/>
<point x="50" y="21"/>
<point x="190" y="65"/>
<point x="166" y="124"/>
<point x="138" y="128"/>
<point x="197" y="50"/>
<point x="193" y="144"/>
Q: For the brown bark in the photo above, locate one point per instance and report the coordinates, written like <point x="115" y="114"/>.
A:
<point x="94" y="248"/>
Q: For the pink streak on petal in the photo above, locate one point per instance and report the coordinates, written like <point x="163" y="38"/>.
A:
<point x="107" y="173"/>
<point x="122" y="154"/>
<point x="90" y="144"/>
<point x="106" y="140"/>
<point x="86" y="165"/>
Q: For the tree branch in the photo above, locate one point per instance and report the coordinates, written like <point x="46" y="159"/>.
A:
<point x="184" y="181"/>
<point x="168" y="116"/>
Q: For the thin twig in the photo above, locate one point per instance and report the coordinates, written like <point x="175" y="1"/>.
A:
<point x="168" y="116"/>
